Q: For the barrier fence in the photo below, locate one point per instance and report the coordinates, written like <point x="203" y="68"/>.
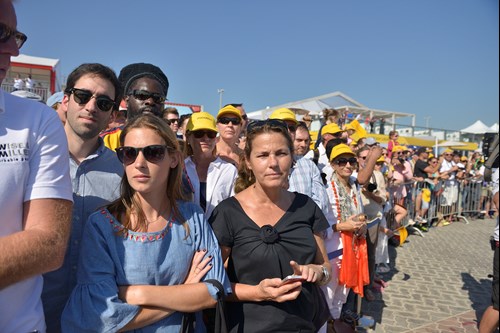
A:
<point x="430" y="203"/>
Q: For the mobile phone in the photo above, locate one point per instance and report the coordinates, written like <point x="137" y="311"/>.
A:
<point x="292" y="278"/>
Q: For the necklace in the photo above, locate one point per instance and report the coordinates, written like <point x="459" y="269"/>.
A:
<point x="158" y="218"/>
<point x="345" y="209"/>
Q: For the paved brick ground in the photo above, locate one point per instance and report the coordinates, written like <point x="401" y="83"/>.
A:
<point x="438" y="283"/>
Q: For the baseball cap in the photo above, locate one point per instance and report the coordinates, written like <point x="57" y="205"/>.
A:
<point x="201" y="121"/>
<point x="339" y="150"/>
<point x="55" y="98"/>
<point x="349" y="127"/>
<point x="370" y="141"/>
<point x="398" y="148"/>
<point x="331" y="129"/>
<point x="229" y="109"/>
<point x="284" y="114"/>
<point x="463" y="158"/>
<point x="421" y="150"/>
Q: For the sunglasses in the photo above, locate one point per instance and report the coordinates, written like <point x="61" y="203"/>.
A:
<point x="227" y="120"/>
<point x="201" y="134"/>
<point x="255" y="126"/>
<point x="171" y="121"/>
<point x="143" y="95"/>
<point x="82" y="96"/>
<point x="343" y="161"/>
<point x="152" y="154"/>
<point x="6" y="33"/>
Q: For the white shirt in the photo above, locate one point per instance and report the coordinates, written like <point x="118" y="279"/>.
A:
<point x="323" y="161"/>
<point x="445" y="167"/>
<point x="33" y="165"/>
<point x="220" y="182"/>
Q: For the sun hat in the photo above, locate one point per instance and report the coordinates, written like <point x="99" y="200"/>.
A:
<point x="229" y="109"/>
<point x="339" y="150"/>
<point x="55" y="98"/>
<point x="331" y="129"/>
<point x="201" y="121"/>
<point x="284" y="114"/>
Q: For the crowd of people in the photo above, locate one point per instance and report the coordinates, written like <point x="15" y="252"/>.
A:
<point x="118" y="212"/>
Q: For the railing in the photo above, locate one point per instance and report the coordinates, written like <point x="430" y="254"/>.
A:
<point x="42" y="92"/>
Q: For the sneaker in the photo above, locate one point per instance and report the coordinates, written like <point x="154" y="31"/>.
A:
<point x="445" y="223"/>
<point x="418" y="219"/>
<point x="422" y="227"/>
<point x="383" y="268"/>
<point x="411" y="222"/>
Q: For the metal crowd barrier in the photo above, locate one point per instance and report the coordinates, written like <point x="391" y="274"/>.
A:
<point x="461" y="199"/>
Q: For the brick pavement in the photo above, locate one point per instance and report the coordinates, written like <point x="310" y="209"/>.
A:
<point x="438" y="283"/>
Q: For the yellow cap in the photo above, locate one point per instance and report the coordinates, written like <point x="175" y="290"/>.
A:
<point x="349" y="127"/>
<point x="398" y="148"/>
<point x="430" y="156"/>
<point x="463" y="158"/>
<point x="381" y="159"/>
<point x="284" y="114"/>
<point x="331" y="129"/>
<point x="339" y="150"/>
<point x="448" y="150"/>
<point x="201" y="121"/>
<point x="229" y="109"/>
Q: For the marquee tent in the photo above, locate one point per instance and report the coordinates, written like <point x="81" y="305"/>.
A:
<point x="477" y="128"/>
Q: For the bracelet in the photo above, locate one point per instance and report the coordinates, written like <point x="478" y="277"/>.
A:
<point x="326" y="276"/>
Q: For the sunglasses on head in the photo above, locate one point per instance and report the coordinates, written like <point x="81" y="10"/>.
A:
<point x="227" y="120"/>
<point x="6" y="33"/>
<point x="200" y="134"/>
<point x="255" y="126"/>
<point x="342" y="161"/>
<point x="143" y="95"/>
<point x="83" y="96"/>
<point x="152" y="154"/>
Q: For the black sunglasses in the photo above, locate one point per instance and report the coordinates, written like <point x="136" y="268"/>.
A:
<point x="343" y="161"/>
<point x="153" y="153"/>
<point x="82" y="96"/>
<point x="227" y="120"/>
<point x="200" y="134"/>
<point x="143" y="95"/>
<point x="257" y="125"/>
<point x="6" y="33"/>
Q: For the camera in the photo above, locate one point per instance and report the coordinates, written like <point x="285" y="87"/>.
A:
<point x="371" y="187"/>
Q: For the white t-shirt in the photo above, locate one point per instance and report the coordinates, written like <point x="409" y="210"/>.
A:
<point x="445" y="167"/>
<point x="33" y="165"/>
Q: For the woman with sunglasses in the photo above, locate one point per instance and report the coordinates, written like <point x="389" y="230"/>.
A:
<point x="145" y="253"/>
<point x="211" y="178"/>
<point x="229" y="125"/>
<point x="401" y="176"/>
<point x="267" y="233"/>
<point x="344" y="193"/>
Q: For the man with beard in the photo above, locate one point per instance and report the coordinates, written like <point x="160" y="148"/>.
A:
<point x="145" y="88"/>
<point x="92" y="93"/>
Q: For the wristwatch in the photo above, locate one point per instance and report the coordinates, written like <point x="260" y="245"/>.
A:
<point x="326" y="275"/>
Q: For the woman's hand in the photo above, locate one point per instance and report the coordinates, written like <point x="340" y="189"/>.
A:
<point x="273" y="290"/>
<point x="200" y="265"/>
<point x="311" y="273"/>
<point x="351" y="225"/>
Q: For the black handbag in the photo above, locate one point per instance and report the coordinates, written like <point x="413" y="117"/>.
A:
<point x="219" y="325"/>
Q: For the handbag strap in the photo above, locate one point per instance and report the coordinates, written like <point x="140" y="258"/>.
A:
<point x="220" y="308"/>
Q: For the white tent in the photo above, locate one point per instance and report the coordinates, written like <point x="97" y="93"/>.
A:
<point x="494" y="128"/>
<point x="477" y="128"/>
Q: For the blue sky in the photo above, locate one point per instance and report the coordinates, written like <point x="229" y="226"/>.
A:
<point x="437" y="59"/>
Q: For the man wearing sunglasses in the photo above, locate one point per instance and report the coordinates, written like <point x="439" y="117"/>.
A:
<point x="145" y="88"/>
<point x="92" y="93"/>
<point x="35" y="194"/>
<point x="229" y="125"/>
<point x="244" y="116"/>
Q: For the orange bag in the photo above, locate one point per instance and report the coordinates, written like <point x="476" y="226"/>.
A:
<point x="354" y="266"/>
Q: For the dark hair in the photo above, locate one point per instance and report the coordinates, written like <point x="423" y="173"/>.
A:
<point x="362" y="149"/>
<point x="128" y="202"/>
<point x="331" y="144"/>
<point x="234" y="105"/>
<point x="101" y="71"/>
<point x="391" y="133"/>
<point x="245" y="176"/>
<point x="303" y="125"/>
<point x="183" y="118"/>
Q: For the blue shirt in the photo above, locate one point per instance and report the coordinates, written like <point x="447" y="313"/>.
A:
<point x="116" y="257"/>
<point x="96" y="182"/>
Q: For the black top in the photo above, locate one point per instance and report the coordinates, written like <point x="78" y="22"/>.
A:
<point x="419" y="169"/>
<point x="259" y="253"/>
<point x="203" y="196"/>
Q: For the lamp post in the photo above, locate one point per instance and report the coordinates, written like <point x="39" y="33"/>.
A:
<point x="427" y="124"/>
<point x="220" y="92"/>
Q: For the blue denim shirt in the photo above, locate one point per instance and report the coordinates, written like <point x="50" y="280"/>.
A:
<point x="96" y="182"/>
